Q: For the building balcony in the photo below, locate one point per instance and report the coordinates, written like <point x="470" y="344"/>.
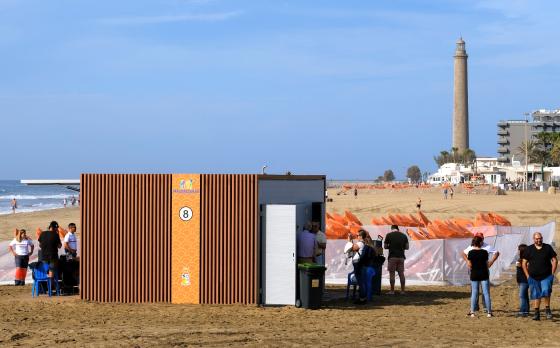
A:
<point x="502" y="124"/>
<point x="503" y="141"/>
<point x="503" y="159"/>
<point x="503" y="132"/>
<point x="503" y="149"/>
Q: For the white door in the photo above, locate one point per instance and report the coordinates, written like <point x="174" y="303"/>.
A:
<point x="280" y="254"/>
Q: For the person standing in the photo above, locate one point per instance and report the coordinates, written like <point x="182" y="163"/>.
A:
<point x="49" y="241"/>
<point x="14" y="205"/>
<point x="321" y="243"/>
<point x="305" y="245"/>
<point x="539" y="265"/>
<point x="70" y="242"/>
<point x="522" y="284"/>
<point x="355" y="192"/>
<point x="396" y="242"/>
<point x="451" y="192"/>
<point x="21" y="247"/>
<point x="491" y="251"/>
<point x="479" y="266"/>
<point x="445" y="193"/>
<point x="418" y="203"/>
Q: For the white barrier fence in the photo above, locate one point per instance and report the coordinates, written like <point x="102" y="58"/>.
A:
<point x="428" y="262"/>
<point x="439" y="261"/>
<point x="8" y="267"/>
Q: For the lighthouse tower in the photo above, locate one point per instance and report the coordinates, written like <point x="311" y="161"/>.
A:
<point x="460" y="98"/>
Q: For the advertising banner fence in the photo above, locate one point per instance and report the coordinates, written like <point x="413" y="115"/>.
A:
<point x="439" y="261"/>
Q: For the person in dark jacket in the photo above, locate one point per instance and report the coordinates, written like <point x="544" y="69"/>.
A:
<point x="49" y="242"/>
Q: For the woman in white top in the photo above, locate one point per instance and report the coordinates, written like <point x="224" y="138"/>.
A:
<point x="21" y="247"/>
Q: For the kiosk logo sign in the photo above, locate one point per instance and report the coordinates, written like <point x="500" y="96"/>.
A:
<point x="186" y="187"/>
<point x="185" y="277"/>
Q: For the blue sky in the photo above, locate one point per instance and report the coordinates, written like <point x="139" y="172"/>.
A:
<point x="342" y="88"/>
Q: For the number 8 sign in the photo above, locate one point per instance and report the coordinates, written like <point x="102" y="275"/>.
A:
<point x="185" y="213"/>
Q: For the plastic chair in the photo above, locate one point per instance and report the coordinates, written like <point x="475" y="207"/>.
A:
<point x="352" y="281"/>
<point x="40" y="271"/>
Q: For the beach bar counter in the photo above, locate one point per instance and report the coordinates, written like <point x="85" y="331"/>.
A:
<point x="194" y="238"/>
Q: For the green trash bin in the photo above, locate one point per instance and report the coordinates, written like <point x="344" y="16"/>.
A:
<point x="311" y="285"/>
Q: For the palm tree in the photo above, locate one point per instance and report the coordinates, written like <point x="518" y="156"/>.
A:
<point x="555" y="152"/>
<point x="527" y="149"/>
<point x="455" y="151"/>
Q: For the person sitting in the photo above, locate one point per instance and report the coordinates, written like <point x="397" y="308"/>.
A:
<point x="363" y="259"/>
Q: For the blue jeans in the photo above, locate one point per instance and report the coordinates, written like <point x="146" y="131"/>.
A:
<point x="485" y="292"/>
<point x="524" y="298"/>
<point x="540" y="288"/>
<point x="360" y="273"/>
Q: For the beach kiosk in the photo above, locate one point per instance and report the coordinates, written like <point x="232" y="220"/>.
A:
<point x="194" y="238"/>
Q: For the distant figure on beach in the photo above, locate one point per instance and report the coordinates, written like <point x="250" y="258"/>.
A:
<point x="451" y="192"/>
<point x="14" y="205"/>
<point x="419" y="203"/>
<point x="479" y="264"/>
<point x="396" y="242"/>
<point x="21" y="247"/>
<point x="539" y="265"/>
<point x="64" y="202"/>
<point x="445" y="193"/>
<point x="485" y="246"/>
<point x="73" y="200"/>
<point x="355" y="193"/>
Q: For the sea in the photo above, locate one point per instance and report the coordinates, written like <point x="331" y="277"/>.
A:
<point x="33" y="198"/>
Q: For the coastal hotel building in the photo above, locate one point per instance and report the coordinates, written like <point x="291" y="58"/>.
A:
<point x="511" y="133"/>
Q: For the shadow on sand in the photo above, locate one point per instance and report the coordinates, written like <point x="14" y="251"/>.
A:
<point x="335" y="298"/>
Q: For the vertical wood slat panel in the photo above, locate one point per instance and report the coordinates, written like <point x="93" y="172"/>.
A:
<point x="229" y="240"/>
<point x="125" y="242"/>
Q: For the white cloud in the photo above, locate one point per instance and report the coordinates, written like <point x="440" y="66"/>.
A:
<point x="190" y="17"/>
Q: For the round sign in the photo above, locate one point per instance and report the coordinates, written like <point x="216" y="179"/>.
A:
<point x="185" y="213"/>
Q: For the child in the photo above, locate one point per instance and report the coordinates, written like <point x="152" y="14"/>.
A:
<point x="21" y="247"/>
<point x="523" y="284"/>
<point x="477" y="261"/>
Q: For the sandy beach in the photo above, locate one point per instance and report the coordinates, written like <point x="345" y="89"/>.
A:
<point x="30" y="221"/>
<point x="429" y="316"/>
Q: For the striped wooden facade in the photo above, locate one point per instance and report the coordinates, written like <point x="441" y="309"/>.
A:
<point x="126" y="237"/>
<point x="229" y="239"/>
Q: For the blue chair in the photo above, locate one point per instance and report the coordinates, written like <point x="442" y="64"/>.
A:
<point x="40" y="272"/>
